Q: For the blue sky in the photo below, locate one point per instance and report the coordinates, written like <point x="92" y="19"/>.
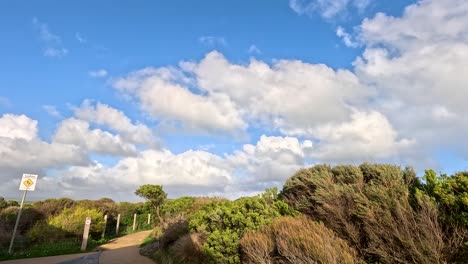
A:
<point x="226" y="97"/>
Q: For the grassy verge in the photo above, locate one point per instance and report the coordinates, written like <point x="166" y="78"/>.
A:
<point x="70" y="246"/>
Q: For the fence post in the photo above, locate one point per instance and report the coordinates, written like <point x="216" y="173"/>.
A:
<point x="134" y="222"/>
<point x="118" y="223"/>
<point x="149" y="219"/>
<point x="86" y="233"/>
<point x="105" y="225"/>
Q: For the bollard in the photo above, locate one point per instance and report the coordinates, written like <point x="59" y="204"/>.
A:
<point x="86" y="233"/>
<point x="149" y="219"/>
<point x="134" y="222"/>
<point x="118" y="223"/>
<point x="105" y="225"/>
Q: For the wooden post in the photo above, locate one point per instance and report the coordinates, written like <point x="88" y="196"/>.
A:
<point x="149" y="219"/>
<point x="118" y="223"/>
<point x="105" y="225"/>
<point x="86" y="233"/>
<point x="134" y="222"/>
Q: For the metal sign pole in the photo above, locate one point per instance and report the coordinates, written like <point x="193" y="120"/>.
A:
<point x="17" y="222"/>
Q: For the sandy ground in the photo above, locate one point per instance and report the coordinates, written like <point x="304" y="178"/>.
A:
<point x="122" y="250"/>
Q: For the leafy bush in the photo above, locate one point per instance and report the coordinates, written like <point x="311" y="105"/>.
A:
<point x="72" y="220"/>
<point x="370" y="206"/>
<point x="43" y="232"/>
<point x="224" y="222"/>
<point x="295" y="240"/>
<point x="451" y="196"/>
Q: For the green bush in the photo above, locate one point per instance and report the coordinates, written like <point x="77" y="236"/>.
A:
<point x="224" y="222"/>
<point x="72" y="220"/>
<point x="43" y="232"/>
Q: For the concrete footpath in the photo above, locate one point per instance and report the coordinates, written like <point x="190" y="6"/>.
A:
<point x="122" y="250"/>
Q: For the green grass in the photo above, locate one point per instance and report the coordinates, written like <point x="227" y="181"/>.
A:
<point x="70" y="246"/>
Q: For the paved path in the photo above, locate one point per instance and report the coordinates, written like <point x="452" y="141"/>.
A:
<point x="122" y="250"/>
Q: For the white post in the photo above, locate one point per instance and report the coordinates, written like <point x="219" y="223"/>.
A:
<point x="149" y="219"/>
<point x="105" y="224"/>
<point x="86" y="233"/>
<point x="134" y="221"/>
<point x="118" y="223"/>
<point x="17" y="222"/>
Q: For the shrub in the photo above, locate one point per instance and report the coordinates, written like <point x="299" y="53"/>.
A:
<point x="295" y="240"/>
<point x="52" y="207"/>
<point x="370" y="207"/>
<point x="42" y="232"/>
<point x="72" y="220"/>
<point x="224" y="222"/>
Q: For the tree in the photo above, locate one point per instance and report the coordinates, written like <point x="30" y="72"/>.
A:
<point x="154" y="195"/>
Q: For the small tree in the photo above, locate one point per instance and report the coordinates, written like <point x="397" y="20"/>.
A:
<point x="154" y="195"/>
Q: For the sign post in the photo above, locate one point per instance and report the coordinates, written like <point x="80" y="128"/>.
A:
<point x="105" y="225"/>
<point x="28" y="183"/>
<point x="134" y="222"/>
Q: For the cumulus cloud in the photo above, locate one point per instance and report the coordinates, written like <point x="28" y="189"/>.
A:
<point x="52" y="43"/>
<point x="327" y="8"/>
<point x="367" y="136"/>
<point x="164" y="94"/>
<point x="116" y="120"/>
<point x="77" y="132"/>
<point x="417" y="62"/>
<point x="272" y="159"/>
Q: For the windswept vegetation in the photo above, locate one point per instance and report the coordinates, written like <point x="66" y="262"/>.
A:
<point x="372" y="213"/>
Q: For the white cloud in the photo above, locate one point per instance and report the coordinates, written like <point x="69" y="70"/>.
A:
<point x="98" y="74"/>
<point x="188" y="173"/>
<point x="53" y="46"/>
<point x="52" y="110"/>
<point x="116" y="120"/>
<point x="291" y="96"/>
<point x="347" y="38"/>
<point x="17" y="127"/>
<point x="367" y="136"/>
<point x="417" y="62"/>
<point x="327" y="8"/>
<point x="212" y="41"/>
<point x="163" y="94"/>
<point x="21" y="151"/>
<point x="77" y="132"/>
<point x="272" y="159"/>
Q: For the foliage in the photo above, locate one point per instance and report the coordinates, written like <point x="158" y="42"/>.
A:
<point x="451" y="196"/>
<point x="295" y="240"/>
<point x="371" y="207"/>
<point x="43" y="232"/>
<point x="154" y="194"/>
<point x="72" y="220"/>
<point x="52" y="207"/>
<point x="182" y="205"/>
<point x="224" y="222"/>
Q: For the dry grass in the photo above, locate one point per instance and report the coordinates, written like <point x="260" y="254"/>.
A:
<point x="369" y="206"/>
<point x="295" y="240"/>
<point x="188" y="248"/>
